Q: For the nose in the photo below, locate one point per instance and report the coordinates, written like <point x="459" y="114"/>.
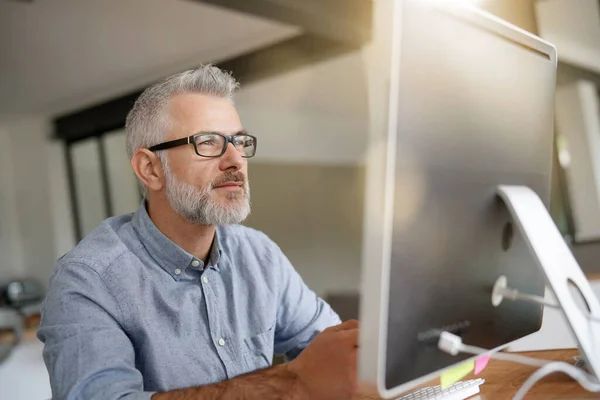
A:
<point x="232" y="158"/>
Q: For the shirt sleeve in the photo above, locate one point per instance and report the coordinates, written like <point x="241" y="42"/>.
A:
<point x="301" y="314"/>
<point x="87" y="353"/>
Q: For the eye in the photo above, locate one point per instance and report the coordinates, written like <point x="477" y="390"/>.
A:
<point x="243" y="141"/>
<point x="207" y="142"/>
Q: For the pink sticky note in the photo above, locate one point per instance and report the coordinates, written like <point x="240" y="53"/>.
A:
<point x="481" y="363"/>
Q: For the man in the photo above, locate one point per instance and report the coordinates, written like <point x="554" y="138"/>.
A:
<point x="176" y="301"/>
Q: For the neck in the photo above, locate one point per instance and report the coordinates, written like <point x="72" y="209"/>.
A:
<point x="195" y="239"/>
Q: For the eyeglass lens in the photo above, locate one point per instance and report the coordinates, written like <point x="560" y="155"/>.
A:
<point x="213" y="145"/>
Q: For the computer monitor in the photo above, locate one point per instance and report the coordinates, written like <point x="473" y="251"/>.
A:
<point x="471" y="108"/>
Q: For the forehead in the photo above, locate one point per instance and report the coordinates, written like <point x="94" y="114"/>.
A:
<point x="191" y="113"/>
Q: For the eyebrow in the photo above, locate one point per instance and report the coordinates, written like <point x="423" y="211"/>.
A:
<point x="241" y="132"/>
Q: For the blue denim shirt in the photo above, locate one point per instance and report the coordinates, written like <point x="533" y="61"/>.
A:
<point x="129" y="313"/>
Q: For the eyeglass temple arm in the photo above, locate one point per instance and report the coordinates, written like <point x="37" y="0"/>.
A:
<point x="171" y="144"/>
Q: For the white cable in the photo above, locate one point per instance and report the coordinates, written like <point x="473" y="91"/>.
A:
<point x="584" y="379"/>
<point x="514" y="294"/>
<point x="453" y="344"/>
<point x="593" y="318"/>
<point x="516" y="358"/>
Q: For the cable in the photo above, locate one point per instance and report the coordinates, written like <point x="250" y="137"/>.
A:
<point x="514" y="294"/>
<point x="584" y="379"/>
<point x="592" y="317"/>
<point x="453" y="344"/>
<point x="516" y="358"/>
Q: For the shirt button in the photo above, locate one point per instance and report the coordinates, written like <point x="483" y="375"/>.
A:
<point x="195" y="263"/>
<point x="177" y="271"/>
<point x="221" y="342"/>
<point x="205" y="280"/>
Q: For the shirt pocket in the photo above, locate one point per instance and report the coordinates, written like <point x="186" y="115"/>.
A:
<point x="258" y="350"/>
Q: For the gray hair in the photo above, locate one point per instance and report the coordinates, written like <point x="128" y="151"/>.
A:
<point x="148" y="121"/>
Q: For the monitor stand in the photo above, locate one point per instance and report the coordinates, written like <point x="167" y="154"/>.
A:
<point x="563" y="274"/>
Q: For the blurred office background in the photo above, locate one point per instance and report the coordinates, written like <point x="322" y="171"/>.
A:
<point x="313" y="77"/>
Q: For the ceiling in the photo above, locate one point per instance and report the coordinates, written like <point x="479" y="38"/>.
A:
<point x="60" y="55"/>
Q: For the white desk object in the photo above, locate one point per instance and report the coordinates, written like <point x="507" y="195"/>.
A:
<point x="23" y="376"/>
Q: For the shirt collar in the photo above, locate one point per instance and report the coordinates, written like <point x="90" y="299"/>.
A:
<point x="167" y="253"/>
<point x="216" y="250"/>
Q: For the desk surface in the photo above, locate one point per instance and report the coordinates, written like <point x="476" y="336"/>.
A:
<point x="593" y="277"/>
<point x="503" y="379"/>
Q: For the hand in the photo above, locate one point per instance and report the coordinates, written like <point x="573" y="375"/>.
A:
<point x="327" y="367"/>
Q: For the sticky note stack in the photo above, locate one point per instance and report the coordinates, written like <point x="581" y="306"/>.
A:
<point x="453" y="375"/>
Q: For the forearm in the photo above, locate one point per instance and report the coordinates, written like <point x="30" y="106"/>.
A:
<point x="276" y="383"/>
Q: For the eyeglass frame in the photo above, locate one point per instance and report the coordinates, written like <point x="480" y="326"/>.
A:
<point x="192" y="140"/>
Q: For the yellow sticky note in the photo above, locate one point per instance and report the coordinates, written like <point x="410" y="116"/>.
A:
<point x="453" y="375"/>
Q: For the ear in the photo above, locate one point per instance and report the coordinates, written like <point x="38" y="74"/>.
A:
<point x="148" y="168"/>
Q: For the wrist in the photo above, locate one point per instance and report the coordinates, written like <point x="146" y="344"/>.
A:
<point x="299" y="388"/>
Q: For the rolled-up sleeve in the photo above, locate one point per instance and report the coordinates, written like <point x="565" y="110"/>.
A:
<point x="301" y="313"/>
<point x="87" y="353"/>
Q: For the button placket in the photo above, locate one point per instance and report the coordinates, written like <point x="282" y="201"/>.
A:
<point x="214" y="326"/>
<point x="225" y="348"/>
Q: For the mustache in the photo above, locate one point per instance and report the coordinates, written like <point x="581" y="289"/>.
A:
<point x="229" y="176"/>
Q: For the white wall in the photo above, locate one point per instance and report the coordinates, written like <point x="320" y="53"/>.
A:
<point x="11" y="262"/>
<point x="312" y="125"/>
<point x="35" y="227"/>
<point x="88" y="183"/>
<point x="314" y="213"/>
<point x="314" y="114"/>
<point x="30" y="186"/>
<point x="578" y="127"/>
<point x="60" y="202"/>
<point x="305" y="136"/>
<point x="124" y="189"/>
<point x="574" y="28"/>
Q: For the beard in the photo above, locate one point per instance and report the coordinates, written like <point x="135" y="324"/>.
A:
<point x="198" y="206"/>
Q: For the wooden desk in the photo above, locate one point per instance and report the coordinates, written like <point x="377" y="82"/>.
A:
<point x="503" y="379"/>
<point x="593" y="277"/>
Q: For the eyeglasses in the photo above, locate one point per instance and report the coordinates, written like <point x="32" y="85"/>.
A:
<point x="213" y="144"/>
